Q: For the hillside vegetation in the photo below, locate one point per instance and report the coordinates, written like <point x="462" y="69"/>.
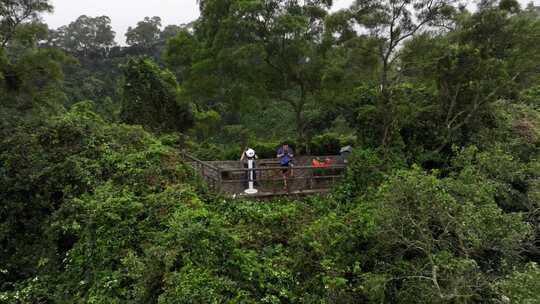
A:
<point x="440" y="202"/>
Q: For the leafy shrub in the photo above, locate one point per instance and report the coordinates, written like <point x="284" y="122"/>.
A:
<point x="150" y="97"/>
<point x="521" y="286"/>
<point x="266" y="150"/>
<point x="330" y="143"/>
<point x="448" y="230"/>
<point x="365" y="171"/>
<point x="67" y="157"/>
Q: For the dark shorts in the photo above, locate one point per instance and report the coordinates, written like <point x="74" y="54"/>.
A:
<point x="285" y="167"/>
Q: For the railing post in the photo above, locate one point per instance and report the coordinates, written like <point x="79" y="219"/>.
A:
<point x="219" y="181"/>
<point x="311" y="174"/>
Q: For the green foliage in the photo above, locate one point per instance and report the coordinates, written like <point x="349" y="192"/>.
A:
<point x="265" y="149"/>
<point x="329" y="256"/>
<point x="446" y="236"/>
<point x="151" y="97"/>
<point x="507" y="174"/>
<point x="439" y="204"/>
<point x="180" y="53"/>
<point x="66" y="157"/>
<point x="206" y="123"/>
<point x="16" y="14"/>
<point x="329" y="143"/>
<point x="519" y="286"/>
<point x="85" y="37"/>
<point x="145" y="34"/>
<point x="30" y="85"/>
<point x="366" y="170"/>
<point x="132" y="243"/>
<point x="170" y="31"/>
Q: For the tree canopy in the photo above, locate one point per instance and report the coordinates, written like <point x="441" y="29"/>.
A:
<point x="439" y="202"/>
<point x="85" y="37"/>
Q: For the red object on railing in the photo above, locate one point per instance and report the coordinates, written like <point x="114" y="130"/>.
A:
<point x="319" y="164"/>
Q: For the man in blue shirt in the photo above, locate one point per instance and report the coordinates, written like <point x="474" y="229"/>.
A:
<point x="285" y="155"/>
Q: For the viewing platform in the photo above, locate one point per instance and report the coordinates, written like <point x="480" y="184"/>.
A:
<point x="230" y="178"/>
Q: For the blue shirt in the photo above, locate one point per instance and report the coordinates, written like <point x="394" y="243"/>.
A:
<point x="286" y="159"/>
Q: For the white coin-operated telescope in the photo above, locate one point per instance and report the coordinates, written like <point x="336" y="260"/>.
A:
<point x="250" y="154"/>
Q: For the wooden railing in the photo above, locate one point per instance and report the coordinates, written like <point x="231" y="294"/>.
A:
<point x="211" y="174"/>
<point x="231" y="177"/>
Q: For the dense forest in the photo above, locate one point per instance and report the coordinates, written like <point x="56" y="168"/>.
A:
<point x="440" y="202"/>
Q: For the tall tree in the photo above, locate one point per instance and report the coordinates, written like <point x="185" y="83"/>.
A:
<point x="170" y="31"/>
<point x="146" y="34"/>
<point x="294" y="55"/>
<point x="391" y="22"/>
<point x="31" y="77"/>
<point x="150" y="97"/>
<point x="180" y="54"/>
<point x="491" y="56"/>
<point x="280" y="50"/>
<point x="14" y="13"/>
<point x="86" y="36"/>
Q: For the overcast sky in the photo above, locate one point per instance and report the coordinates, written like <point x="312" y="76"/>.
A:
<point x="125" y="13"/>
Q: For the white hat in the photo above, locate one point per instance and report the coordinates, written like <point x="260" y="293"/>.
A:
<point x="250" y="153"/>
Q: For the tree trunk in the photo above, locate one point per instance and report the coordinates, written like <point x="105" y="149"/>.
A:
<point x="384" y="101"/>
